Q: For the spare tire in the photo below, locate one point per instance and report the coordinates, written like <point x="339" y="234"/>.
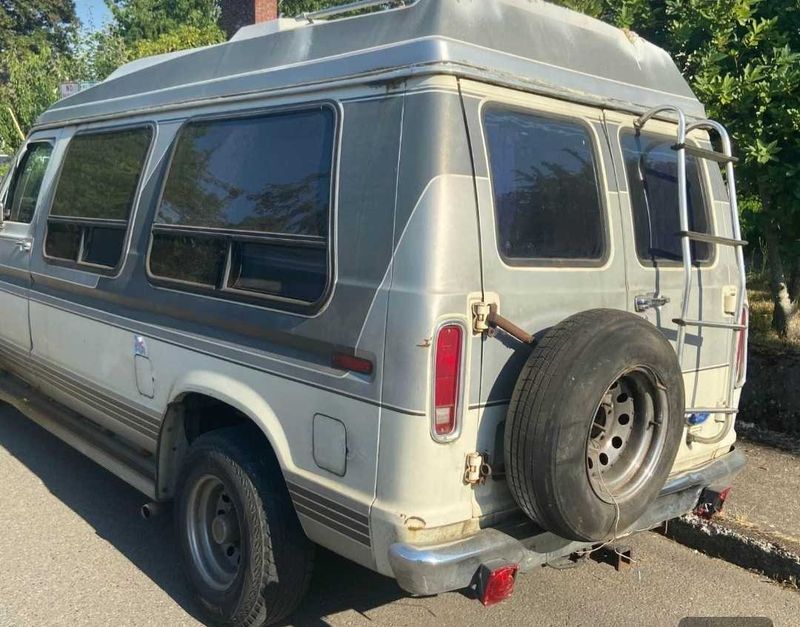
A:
<point x="594" y="424"/>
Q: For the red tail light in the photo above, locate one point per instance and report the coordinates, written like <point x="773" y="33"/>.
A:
<point x="741" y="349"/>
<point x="447" y="380"/>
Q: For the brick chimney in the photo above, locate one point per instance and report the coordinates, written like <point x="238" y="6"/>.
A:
<point x="237" y="13"/>
<point x="265" y="10"/>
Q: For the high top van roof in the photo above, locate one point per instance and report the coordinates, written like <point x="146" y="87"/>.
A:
<point x="525" y="44"/>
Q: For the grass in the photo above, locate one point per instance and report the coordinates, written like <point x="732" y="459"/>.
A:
<point x="762" y="334"/>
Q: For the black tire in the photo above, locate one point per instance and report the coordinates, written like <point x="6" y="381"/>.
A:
<point x="274" y="556"/>
<point x="561" y="407"/>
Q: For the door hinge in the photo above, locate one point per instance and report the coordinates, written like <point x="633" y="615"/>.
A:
<point x="477" y="468"/>
<point x="480" y="317"/>
<point x="486" y="318"/>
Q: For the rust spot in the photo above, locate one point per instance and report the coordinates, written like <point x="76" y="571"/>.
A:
<point x="414" y="523"/>
<point x="426" y="343"/>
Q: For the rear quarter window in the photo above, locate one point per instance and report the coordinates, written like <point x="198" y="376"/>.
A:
<point x="546" y="190"/>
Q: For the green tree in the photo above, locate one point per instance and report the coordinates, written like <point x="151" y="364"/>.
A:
<point x="743" y="60"/>
<point x="136" y="20"/>
<point x="30" y="85"/>
<point x="142" y="28"/>
<point x="34" y="35"/>
<point x="26" y="22"/>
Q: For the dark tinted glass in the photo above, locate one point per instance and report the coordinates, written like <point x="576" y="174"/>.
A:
<point x="269" y="174"/>
<point x="544" y="180"/>
<point x="187" y="258"/>
<point x="651" y="167"/>
<point x="63" y="240"/>
<point x="102" y="246"/>
<point x="100" y="174"/>
<point x="27" y="181"/>
<point x="298" y="273"/>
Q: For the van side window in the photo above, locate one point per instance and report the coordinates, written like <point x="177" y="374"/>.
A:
<point x="23" y="192"/>
<point x="651" y="167"/>
<point x="96" y="191"/>
<point x="246" y="206"/>
<point x="545" y="184"/>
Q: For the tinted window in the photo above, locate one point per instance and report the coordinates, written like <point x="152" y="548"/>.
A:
<point x="190" y="258"/>
<point x="24" y="189"/>
<point x="296" y="273"/>
<point x="651" y="167"/>
<point x="95" y="195"/>
<point x="545" y="185"/>
<point x="269" y="174"/>
<point x="101" y="174"/>
<point x="254" y="190"/>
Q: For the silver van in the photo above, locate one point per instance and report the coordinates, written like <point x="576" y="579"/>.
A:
<point x="453" y="289"/>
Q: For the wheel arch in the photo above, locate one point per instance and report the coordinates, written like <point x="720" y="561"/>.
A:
<point x="201" y="402"/>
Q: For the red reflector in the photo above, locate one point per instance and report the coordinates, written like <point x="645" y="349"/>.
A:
<point x="352" y="363"/>
<point x="498" y="584"/>
<point x="711" y="503"/>
<point x="447" y="379"/>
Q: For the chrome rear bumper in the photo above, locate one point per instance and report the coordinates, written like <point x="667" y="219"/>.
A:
<point x="452" y="566"/>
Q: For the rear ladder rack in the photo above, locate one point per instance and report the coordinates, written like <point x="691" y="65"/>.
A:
<point x="688" y="236"/>
<point x="359" y="5"/>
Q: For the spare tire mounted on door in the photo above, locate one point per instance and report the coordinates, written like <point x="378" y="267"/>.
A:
<point x="594" y="425"/>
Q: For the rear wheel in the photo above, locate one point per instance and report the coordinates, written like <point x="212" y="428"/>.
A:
<point x="242" y="546"/>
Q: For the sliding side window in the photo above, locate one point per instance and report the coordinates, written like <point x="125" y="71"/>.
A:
<point x="96" y="191"/>
<point x="245" y="211"/>
<point x="652" y="172"/>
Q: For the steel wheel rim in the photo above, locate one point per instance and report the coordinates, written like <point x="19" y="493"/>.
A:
<point x="213" y="531"/>
<point x="627" y="434"/>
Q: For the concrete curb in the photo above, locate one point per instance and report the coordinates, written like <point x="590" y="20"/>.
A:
<point x="744" y="546"/>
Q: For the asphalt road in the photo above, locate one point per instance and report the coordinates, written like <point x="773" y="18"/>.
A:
<point x="73" y="551"/>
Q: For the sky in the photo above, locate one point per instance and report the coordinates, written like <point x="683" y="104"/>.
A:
<point x="93" y="14"/>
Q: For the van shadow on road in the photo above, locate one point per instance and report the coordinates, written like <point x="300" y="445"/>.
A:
<point x="111" y="507"/>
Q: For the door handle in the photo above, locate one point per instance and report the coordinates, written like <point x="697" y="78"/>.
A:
<point x="643" y="302"/>
<point x="24" y="246"/>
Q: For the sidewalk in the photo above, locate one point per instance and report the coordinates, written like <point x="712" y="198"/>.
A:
<point x="759" y="528"/>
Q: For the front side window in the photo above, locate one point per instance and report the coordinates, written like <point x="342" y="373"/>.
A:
<point x="23" y="192"/>
<point x="545" y="185"/>
<point x="246" y="206"/>
<point x="95" y="195"/>
<point x="651" y="167"/>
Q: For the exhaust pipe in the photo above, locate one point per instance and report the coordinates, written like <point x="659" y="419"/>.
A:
<point x="151" y="510"/>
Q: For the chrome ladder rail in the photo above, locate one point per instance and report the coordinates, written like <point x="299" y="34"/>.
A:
<point x="687" y="237"/>
<point x="334" y="11"/>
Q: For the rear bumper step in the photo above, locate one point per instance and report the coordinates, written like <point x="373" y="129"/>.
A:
<point x="452" y="566"/>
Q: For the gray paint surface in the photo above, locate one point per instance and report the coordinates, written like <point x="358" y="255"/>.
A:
<point x="527" y="43"/>
<point x="367" y="180"/>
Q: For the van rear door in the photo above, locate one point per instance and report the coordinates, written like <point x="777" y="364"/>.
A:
<point x="551" y="238"/>
<point x="648" y="190"/>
